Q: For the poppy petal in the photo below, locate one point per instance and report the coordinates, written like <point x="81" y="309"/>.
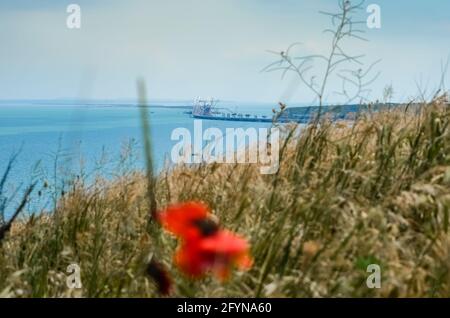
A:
<point x="180" y="218"/>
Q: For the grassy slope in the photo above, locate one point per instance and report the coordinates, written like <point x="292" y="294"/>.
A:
<point x="377" y="191"/>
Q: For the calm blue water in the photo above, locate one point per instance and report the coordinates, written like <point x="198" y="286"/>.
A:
<point x="63" y="133"/>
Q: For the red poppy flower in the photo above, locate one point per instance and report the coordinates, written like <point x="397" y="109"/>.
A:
<point x="204" y="245"/>
<point x="219" y="253"/>
<point x="180" y="219"/>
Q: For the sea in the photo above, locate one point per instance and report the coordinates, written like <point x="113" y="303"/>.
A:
<point x="55" y="140"/>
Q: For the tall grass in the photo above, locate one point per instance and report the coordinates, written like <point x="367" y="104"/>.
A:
<point x="347" y="194"/>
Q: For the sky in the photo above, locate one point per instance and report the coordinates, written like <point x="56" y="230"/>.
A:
<point x="189" y="48"/>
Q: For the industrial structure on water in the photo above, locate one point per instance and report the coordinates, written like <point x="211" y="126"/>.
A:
<point x="207" y="109"/>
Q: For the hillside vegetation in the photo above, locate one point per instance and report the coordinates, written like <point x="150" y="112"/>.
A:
<point x="373" y="191"/>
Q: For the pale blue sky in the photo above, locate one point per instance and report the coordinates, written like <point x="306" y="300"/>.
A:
<point x="189" y="48"/>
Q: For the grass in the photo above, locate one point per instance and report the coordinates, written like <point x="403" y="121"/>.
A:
<point x="376" y="190"/>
